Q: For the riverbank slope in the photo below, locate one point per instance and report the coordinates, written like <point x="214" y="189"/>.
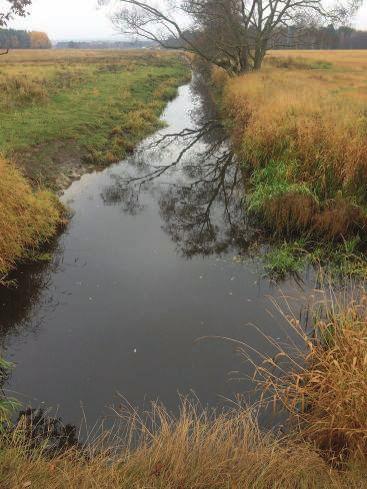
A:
<point x="65" y="113"/>
<point x="300" y="130"/>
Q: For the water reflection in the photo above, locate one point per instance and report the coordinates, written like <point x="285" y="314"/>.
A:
<point x="202" y="207"/>
<point x="121" y="306"/>
<point x="21" y="301"/>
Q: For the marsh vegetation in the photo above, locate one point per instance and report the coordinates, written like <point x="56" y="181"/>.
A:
<point x="299" y="128"/>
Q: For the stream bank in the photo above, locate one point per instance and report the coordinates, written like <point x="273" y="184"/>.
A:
<point x="142" y="272"/>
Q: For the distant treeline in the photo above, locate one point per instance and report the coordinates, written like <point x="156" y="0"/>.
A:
<point x="15" y="39"/>
<point x="304" y="38"/>
<point x="320" y="38"/>
<point x="103" y="44"/>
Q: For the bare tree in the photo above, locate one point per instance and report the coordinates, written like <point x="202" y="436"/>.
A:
<point x="10" y="8"/>
<point x="232" y="34"/>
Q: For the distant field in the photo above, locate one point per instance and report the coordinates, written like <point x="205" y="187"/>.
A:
<point x="63" y="111"/>
<point x="344" y="71"/>
<point x="357" y="59"/>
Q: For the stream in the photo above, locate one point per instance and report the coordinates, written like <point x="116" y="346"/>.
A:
<point x="154" y="266"/>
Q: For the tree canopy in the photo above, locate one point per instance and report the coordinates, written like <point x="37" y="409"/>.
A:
<point x="232" y="34"/>
<point x="11" y="8"/>
<point x="19" y="39"/>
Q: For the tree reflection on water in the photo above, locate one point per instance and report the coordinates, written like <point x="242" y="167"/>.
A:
<point x="202" y="206"/>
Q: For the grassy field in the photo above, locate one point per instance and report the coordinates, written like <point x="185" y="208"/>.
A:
<point x="63" y="112"/>
<point x="300" y="128"/>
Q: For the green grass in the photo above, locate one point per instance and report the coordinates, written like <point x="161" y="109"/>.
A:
<point x="336" y="262"/>
<point x="284" y="259"/>
<point x="91" y="112"/>
<point x="271" y="182"/>
<point x="62" y="114"/>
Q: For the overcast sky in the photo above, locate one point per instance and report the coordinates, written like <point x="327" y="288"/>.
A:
<point x="80" y="19"/>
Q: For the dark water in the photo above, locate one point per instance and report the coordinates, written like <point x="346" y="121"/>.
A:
<point x="141" y="273"/>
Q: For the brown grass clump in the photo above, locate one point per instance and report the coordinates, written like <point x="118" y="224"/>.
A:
<point x="219" y="77"/>
<point x="21" y="90"/>
<point x="325" y="388"/>
<point x="339" y="219"/>
<point x="293" y="214"/>
<point x="195" y="450"/>
<point x="27" y="218"/>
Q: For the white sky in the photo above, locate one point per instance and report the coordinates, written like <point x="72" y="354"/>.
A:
<point x="80" y="19"/>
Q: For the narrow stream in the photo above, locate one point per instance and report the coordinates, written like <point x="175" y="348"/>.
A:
<point x="143" y="271"/>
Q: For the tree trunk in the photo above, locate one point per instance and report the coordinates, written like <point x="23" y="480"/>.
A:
<point x="259" y="57"/>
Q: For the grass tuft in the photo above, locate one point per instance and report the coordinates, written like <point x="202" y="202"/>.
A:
<point x="194" y="450"/>
<point x="28" y="218"/>
<point x="321" y="379"/>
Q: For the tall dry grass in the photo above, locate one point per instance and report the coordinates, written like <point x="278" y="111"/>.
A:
<point x="320" y="378"/>
<point x="194" y="450"/>
<point x="27" y="218"/>
<point x="308" y="114"/>
<point x="297" y="116"/>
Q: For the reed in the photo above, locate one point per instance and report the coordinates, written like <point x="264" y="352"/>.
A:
<point x="320" y="378"/>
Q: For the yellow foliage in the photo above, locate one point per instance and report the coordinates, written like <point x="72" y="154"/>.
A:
<point x="39" y="40"/>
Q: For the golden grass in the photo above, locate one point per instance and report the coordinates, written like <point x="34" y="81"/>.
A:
<point x="321" y="378"/>
<point x="27" y="218"/>
<point x="53" y="55"/>
<point x="353" y="60"/>
<point x="195" y="450"/>
<point x="307" y="110"/>
<point x="297" y="115"/>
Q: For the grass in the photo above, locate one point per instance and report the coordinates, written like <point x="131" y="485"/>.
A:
<point x="192" y="451"/>
<point x="300" y="128"/>
<point x="320" y="380"/>
<point x="284" y="259"/>
<point x="28" y="218"/>
<point x="64" y="112"/>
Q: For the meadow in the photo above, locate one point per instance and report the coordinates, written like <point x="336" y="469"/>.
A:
<point x="299" y="127"/>
<point x="64" y="113"/>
